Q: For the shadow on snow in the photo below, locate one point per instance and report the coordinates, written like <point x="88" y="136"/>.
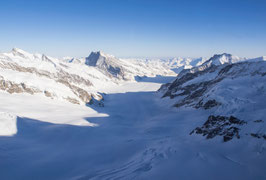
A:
<point x="42" y="150"/>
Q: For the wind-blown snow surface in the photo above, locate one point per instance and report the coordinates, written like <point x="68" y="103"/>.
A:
<point x="137" y="135"/>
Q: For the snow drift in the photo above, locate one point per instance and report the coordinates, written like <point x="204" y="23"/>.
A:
<point x="8" y="124"/>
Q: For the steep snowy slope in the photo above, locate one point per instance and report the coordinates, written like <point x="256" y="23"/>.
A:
<point x="225" y="87"/>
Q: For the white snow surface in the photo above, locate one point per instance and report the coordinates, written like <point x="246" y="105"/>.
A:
<point x="8" y="124"/>
<point x="136" y="135"/>
<point x="47" y="110"/>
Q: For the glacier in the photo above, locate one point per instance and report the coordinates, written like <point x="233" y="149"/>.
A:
<point x="50" y="127"/>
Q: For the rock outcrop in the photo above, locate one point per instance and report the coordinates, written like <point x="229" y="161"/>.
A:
<point x="227" y="127"/>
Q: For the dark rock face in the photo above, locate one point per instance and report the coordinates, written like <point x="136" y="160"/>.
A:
<point x="92" y="59"/>
<point x="226" y="69"/>
<point x="114" y="70"/>
<point x="258" y="121"/>
<point x="48" y="94"/>
<point x="228" y="127"/>
<point x="193" y="92"/>
<point x="99" y="102"/>
<point x="208" y="105"/>
<point x="163" y="88"/>
<point x="259" y="136"/>
<point x="110" y="66"/>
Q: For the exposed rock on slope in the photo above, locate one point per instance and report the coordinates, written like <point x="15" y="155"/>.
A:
<point x="201" y="88"/>
<point x="228" y="88"/>
<point x="228" y="127"/>
<point x="75" y="80"/>
<point x="12" y="87"/>
<point x="107" y="64"/>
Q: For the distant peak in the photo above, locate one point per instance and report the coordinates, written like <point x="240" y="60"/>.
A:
<point x="20" y="52"/>
<point x="97" y="57"/>
<point x="92" y="59"/>
<point x="223" y="58"/>
<point x="99" y="53"/>
<point x="223" y="54"/>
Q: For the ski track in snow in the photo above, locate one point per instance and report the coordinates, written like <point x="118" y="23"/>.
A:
<point x="135" y="136"/>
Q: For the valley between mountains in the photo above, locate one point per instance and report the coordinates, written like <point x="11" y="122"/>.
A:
<point x="103" y="117"/>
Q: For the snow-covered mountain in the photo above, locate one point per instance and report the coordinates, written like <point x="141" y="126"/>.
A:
<point x="71" y="79"/>
<point x="224" y="58"/>
<point x="178" y="64"/>
<point x="107" y="64"/>
<point x="224" y="86"/>
<point x="175" y="64"/>
<point x="202" y="80"/>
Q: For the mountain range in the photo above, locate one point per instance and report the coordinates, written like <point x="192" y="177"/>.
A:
<point x="77" y="80"/>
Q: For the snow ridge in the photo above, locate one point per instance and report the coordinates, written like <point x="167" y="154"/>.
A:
<point x="76" y="80"/>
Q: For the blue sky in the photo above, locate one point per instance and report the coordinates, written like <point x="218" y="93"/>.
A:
<point x="134" y="28"/>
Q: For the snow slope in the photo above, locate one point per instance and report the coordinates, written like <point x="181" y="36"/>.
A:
<point x="141" y="138"/>
<point x="47" y="110"/>
<point x="232" y="93"/>
<point x="138" y="134"/>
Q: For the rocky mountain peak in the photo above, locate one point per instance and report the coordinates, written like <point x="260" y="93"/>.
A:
<point x="97" y="57"/>
<point x="224" y="58"/>
<point x="108" y="64"/>
<point x="20" y="52"/>
<point x="93" y="58"/>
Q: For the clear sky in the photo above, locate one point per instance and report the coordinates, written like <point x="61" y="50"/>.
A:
<point x="134" y="28"/>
